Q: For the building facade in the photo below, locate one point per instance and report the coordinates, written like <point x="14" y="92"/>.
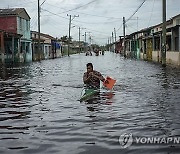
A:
<point x="17" y="47"/>
<point x="49" y="46"/>
<point x="146" y="43"/>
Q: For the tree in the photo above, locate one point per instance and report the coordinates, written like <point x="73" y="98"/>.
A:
<point x="65" y="39"/>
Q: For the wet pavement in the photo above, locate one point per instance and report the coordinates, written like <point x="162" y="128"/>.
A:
<point x="40" y="111"/>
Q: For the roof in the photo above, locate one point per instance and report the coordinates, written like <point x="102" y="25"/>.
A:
<point x="12" y="12"/>
<point x="45" y="35"/>
<point x="168" y="21"/>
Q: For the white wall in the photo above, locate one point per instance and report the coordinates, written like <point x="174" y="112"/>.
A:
<point x="173" y="58"/>
<point x="156" y="56"/>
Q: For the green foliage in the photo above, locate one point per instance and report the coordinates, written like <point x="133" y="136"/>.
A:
<point x="65" y="39"/>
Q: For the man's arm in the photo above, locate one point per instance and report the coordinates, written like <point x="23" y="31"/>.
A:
<point x="99" y="76"/>
<point x="86" y="79"/>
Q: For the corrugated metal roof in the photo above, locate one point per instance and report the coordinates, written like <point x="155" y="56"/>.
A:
<point x="12" y="11"/>
<point x="45" y="35"/>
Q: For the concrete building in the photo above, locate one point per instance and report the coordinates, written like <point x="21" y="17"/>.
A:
<point x="146" y="43"/>
<point x="16" y="21"/>
<point x="172" y="39"/>
<point x="49" y="46"/>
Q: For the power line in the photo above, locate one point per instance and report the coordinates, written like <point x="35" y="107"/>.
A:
<point x="43" y="2"/>
<point x="151" y="12"/>
<point x="33" y="21"/>
<point x="119" y="28"/>
<point x="78" y="20"/>
<point x="86" y="13"/>
<point x="136" y="10"/>
<point x="79" y="7"/>
<point x="132" y="14"/>
<point x="24" y="3"/>
<point x="55" y="14"/>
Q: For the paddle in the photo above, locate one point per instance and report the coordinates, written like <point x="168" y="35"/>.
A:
<point x="109" y="82"/>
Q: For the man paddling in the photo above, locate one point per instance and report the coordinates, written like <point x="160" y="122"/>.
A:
<point x="92" y="78"/>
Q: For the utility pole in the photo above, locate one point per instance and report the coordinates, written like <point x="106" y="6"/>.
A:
<point x="112" y="37"/>
<point x="85" y="40"/>
<point x="112" y="42"/>
<point x="108" y="44"/>
<point x="69" y="38"/>
<point x="163" y="46"/>
<point x="115" y="34"/>
<point x="79" y="40"/>
<point x="115" y="39"/>
<point x="137" y="24"/>
<point x="39" y="47"/>
<point x="124" y="33"/>
<point x="90" y="39"/>
<point x="69" y="33"/>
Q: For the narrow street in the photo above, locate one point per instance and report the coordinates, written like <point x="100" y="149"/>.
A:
<point x="40" y="111"/>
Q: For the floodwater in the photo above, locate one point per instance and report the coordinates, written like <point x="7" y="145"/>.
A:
<point x="40" y="111"/>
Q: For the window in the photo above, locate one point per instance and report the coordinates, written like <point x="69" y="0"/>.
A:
<point x="27" y="25"/>
<point x="176" y="43"/>
<point x="20" y="23"/>
<point x="168" y="40"/>
<point x="157" y="43"/>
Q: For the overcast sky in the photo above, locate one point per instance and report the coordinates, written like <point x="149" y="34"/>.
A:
<point x="97" y="17"/>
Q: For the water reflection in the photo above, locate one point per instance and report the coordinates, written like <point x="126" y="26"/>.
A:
<point x="96" y="102"/>
<point x="40" y="111"/>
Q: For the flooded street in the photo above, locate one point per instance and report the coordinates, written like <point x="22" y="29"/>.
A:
<point x="41" y="112"/>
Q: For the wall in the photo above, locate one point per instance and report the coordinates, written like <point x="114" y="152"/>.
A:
<point x="46" y="51"/>
<point x="172" y="58"/>
<point x="155" y="56"/>
<point x="23" y="28"/>
<point x="8" y="24"/>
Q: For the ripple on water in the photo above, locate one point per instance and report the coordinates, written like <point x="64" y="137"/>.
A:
<point x="40" y="111"/>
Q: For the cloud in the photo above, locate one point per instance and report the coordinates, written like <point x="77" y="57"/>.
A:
<point x="93" y="15"/>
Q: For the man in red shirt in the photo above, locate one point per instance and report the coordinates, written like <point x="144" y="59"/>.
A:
<point x="92" y="78"/>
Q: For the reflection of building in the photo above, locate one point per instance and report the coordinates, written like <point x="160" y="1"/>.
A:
<point x="15" y="35"/>
<point x="49" y="46"/>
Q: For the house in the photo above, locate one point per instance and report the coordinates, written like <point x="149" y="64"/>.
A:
<point x="49" y="46"/>
<point x="119" y="45"/>
<point x="16" y="23"/>
<point x="9" y="46"/>
<point x="172" y="41"/>
<point x="146" y="43"/>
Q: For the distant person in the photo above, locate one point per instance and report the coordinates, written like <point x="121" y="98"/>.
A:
<point x="88" y="53"/>
<point x="102" y="52"/>
<point x="97" y="52"/>
<point x="92" y="78"/>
